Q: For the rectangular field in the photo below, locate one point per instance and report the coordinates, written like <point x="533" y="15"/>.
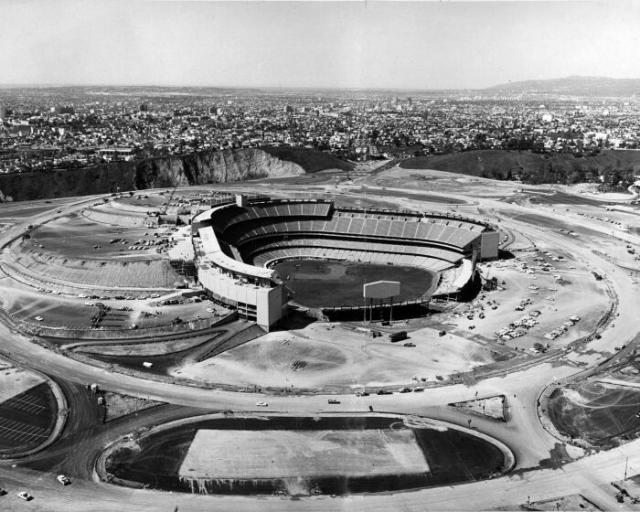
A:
<point x="270" y="454"/>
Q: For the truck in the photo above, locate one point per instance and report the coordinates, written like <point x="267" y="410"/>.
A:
<point x="394" y="337"/>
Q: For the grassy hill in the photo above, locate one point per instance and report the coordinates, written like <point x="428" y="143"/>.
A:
<point x="617" y="167"/>
<point x="572" y="86"/>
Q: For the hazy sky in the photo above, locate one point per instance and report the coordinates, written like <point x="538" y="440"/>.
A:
<point x="315" y="44"/>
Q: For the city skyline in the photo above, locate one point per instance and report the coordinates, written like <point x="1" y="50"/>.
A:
<point x="344" y="45"/>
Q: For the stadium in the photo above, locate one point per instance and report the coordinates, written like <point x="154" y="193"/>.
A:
<point x="239" y="247"/>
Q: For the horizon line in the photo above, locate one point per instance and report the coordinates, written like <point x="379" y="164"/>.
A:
<point x="10" y="85"/>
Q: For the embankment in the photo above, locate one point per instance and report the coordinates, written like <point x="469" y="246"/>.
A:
<point x="618" y="168"/>
<point x="191" y="169"/>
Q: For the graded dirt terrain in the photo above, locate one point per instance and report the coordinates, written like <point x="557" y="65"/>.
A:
<point x="14" y="380"/>
<point x="305" y="454"/>
<point x="588" y="245"/>
<point x="321" y="357"/>
<point x="597" y="412"/>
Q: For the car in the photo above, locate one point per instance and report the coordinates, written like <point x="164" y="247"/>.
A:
<point x="63" y="479"/>
<point x="333" y="401"/>
<point x="2" y="491"/>
<point x="262" y="404"/>
<point x="25" y="496"/>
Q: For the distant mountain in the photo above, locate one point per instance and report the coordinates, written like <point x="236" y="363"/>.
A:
<point x="572" y="86"/>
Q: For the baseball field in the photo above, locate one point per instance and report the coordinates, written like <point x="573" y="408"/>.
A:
<point x="318" y="283"/>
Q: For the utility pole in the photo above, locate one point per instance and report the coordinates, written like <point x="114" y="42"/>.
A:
<point x="626" y="467"/>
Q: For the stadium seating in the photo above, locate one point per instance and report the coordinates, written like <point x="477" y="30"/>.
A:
<point x="268" y="230"/>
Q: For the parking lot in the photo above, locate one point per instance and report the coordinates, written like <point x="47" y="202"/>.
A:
<point x="27" y="418"/>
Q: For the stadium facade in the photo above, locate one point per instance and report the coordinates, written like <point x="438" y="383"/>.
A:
<point x="236" y="243"/>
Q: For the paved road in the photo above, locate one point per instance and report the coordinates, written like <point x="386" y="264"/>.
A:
<point x="523" y="433"/>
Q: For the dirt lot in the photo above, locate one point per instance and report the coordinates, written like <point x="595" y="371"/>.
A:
<point x="311" y="453"/>
<point x="596" y="412"/>
<point x="78" y="238"/>
<point x="323" y="355"/>
<point x="14" y="381"/>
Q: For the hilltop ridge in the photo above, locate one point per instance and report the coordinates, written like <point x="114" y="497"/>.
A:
<point x="573" y="86"/>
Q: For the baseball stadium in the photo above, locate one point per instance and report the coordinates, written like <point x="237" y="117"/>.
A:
<point x="244" y="250"/>
<point x="221" y="344"/>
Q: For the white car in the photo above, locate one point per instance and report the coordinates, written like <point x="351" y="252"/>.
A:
<point x="262" y="404"/>
<point x="63" y="479"/>
<point x="25" y="496"/>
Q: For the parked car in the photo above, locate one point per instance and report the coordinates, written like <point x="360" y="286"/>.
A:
<point x="25" y="496"/>
<point x="63" y="479"/>
<point x="262" y="404"/>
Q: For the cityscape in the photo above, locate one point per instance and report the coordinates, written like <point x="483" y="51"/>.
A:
<point x="56" y="129"/>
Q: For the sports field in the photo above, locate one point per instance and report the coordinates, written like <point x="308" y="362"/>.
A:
<point x="334" y="455"/>
<point x="321" y="283"/>
<point x="268" y="454"/>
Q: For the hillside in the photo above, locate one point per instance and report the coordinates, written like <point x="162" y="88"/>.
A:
<point x="192" y="169"/>
<point x="529" y="167"/>
<point x="309" y="160"/>
<point x="572" y="86"/>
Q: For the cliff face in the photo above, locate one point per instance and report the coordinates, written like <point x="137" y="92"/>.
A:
<point x="193" y="169"/>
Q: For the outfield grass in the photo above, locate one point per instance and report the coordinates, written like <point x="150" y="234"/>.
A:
<point x="319" y="283"/>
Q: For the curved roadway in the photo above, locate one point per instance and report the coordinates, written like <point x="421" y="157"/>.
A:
<point x="532" y="445"/>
